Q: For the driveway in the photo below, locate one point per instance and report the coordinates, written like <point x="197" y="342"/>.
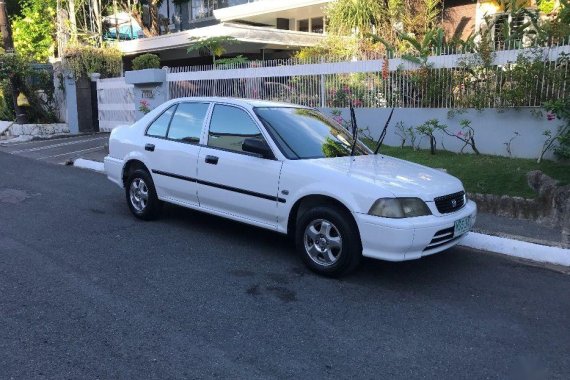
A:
<point x="87" y="291"/>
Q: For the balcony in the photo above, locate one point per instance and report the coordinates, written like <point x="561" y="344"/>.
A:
<point x="204" y="9"/>
<point x="297" y="15"/>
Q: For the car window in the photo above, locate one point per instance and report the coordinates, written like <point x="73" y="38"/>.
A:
<point x="186" y="125"/>
<point x="159" y="127"/>
<point x="302" y="133"/>
<point x="229" y="126"/>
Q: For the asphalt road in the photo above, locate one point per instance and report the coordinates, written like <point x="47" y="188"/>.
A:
<point x="61" y="150"/>
<point x="87" y="291"/>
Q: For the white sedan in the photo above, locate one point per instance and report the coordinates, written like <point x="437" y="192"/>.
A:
<point x="289" y="169"/>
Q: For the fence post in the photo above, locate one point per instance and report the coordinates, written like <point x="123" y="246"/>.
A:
<point x="323" y="92"/>
<point x="167" y="69"/>
<point x="95" y="101"/>
<point x="150" y="89"/>
<point x="323" y="88"/>
<point x="71" y="102"/>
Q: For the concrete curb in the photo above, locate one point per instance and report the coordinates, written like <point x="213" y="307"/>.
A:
<point x="516" y="248"/>
<point x="4" y="126"/>
<point x="89" y="164"/>
<point x="496" y="244"/>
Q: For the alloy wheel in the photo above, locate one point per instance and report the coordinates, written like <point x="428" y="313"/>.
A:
<point x="323" y="242"/>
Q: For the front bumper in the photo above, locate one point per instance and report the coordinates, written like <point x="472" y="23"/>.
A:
<point x="410" y="238"/>
<point x="114" y="170"/>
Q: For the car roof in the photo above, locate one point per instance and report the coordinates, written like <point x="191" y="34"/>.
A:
<point x="239" y="101"/>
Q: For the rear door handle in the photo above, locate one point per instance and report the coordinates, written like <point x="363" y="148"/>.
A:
<point x="212" y="160"/>
<point x="149" y="147"/>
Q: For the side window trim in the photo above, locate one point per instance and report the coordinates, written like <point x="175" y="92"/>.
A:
<point x="253" y="120"/>
<point x="175" y="106"/>
<point x="170" y="121"/>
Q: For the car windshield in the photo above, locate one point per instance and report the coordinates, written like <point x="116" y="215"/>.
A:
<point x="302" y="133"/>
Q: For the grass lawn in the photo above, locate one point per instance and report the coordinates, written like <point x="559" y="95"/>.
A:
<point x="485" y="174"/>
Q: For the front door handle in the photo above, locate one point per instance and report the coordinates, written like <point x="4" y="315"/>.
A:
<point x="149" y="147"/>
<point x="212" y="160"/>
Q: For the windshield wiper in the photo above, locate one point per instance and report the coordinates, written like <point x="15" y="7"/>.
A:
<point x="383" y="134"/>
<point x="354" y="129"/>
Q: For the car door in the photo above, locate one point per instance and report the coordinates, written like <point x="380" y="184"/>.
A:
<point x="232" y="181"/>
<point x="174" y="153"/>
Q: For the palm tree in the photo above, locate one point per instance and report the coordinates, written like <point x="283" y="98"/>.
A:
<point x="215" y="46"/>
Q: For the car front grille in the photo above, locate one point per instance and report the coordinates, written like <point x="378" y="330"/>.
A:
<point x="450" y="203"/>
<point x="441" y="238"/>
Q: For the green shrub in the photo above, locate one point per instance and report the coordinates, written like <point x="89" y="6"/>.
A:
<point x="85" y="60"/>
<point x="146" y="61"/>
<point x="35" y="84"/>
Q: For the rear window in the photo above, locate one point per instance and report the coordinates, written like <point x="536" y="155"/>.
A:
<point x="159" y="127"/>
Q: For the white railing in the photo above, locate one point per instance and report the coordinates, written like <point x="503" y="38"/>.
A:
<point x="446" y="81"/>
<point x="116" y="103"/>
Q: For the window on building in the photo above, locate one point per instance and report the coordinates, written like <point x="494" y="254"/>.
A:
<point x="202" y="9"/>
<point x="503" y="28"/>
<point x="317" y="25"/>
<point x="303" y="25"/>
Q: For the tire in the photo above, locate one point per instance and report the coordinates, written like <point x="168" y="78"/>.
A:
<point x="141" y="195"/>
<point x="328" y="241"/>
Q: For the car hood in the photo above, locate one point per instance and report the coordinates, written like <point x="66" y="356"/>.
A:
<point x="402" y="178"/>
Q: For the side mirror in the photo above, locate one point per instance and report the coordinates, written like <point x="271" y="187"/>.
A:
<point x="257" y="146"/>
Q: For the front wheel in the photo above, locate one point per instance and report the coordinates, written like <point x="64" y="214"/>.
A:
<point x="141" y="195"/>
<point x="328" y="241"/>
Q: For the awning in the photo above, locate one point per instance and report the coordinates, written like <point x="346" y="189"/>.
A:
<point x="264" y="37"/>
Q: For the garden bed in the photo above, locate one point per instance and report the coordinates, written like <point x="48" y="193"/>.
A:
<point x="485" y="174"/>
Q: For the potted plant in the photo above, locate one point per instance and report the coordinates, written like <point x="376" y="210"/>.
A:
<point x="146" y="69"/>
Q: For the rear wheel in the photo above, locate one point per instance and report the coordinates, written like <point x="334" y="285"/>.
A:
<point x="141" y="195"/>
<point x="328" y="241"/>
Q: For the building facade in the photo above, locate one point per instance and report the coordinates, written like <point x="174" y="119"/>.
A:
<point x="272" y="29"/>
<point x="265" y="29"/>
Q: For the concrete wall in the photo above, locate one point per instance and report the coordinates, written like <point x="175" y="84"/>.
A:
<point x="493" y="128"/>
<point x="37" y="129"/>
<point x="459" y="18"/>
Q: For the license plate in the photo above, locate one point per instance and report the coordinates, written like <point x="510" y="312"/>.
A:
<point x="462" y="226"/>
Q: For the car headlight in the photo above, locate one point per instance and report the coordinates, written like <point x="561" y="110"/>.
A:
<point x="399" y="208"/>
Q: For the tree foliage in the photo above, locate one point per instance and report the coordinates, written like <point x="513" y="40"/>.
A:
<point x="85" y="60"/>
<point x="386" y="21"/>
<point x="35" y="84"/>
<point x="360" y="17"/>
<point x="34" y="30"/>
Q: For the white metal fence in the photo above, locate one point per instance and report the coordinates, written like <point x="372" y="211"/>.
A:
<point x="116" y="103"/>
<point x="445" y="81"/>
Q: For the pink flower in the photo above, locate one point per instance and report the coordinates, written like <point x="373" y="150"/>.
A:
<point x="550" y="116"/>
<point x="459" y="134"/>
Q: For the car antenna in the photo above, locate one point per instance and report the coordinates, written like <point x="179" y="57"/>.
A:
<point x="354" y="128"/>
<point x="383" y="134"/>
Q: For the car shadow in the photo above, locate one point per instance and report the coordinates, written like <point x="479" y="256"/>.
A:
<point x="212" y="224"/>
<point x="435" y="269"/>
